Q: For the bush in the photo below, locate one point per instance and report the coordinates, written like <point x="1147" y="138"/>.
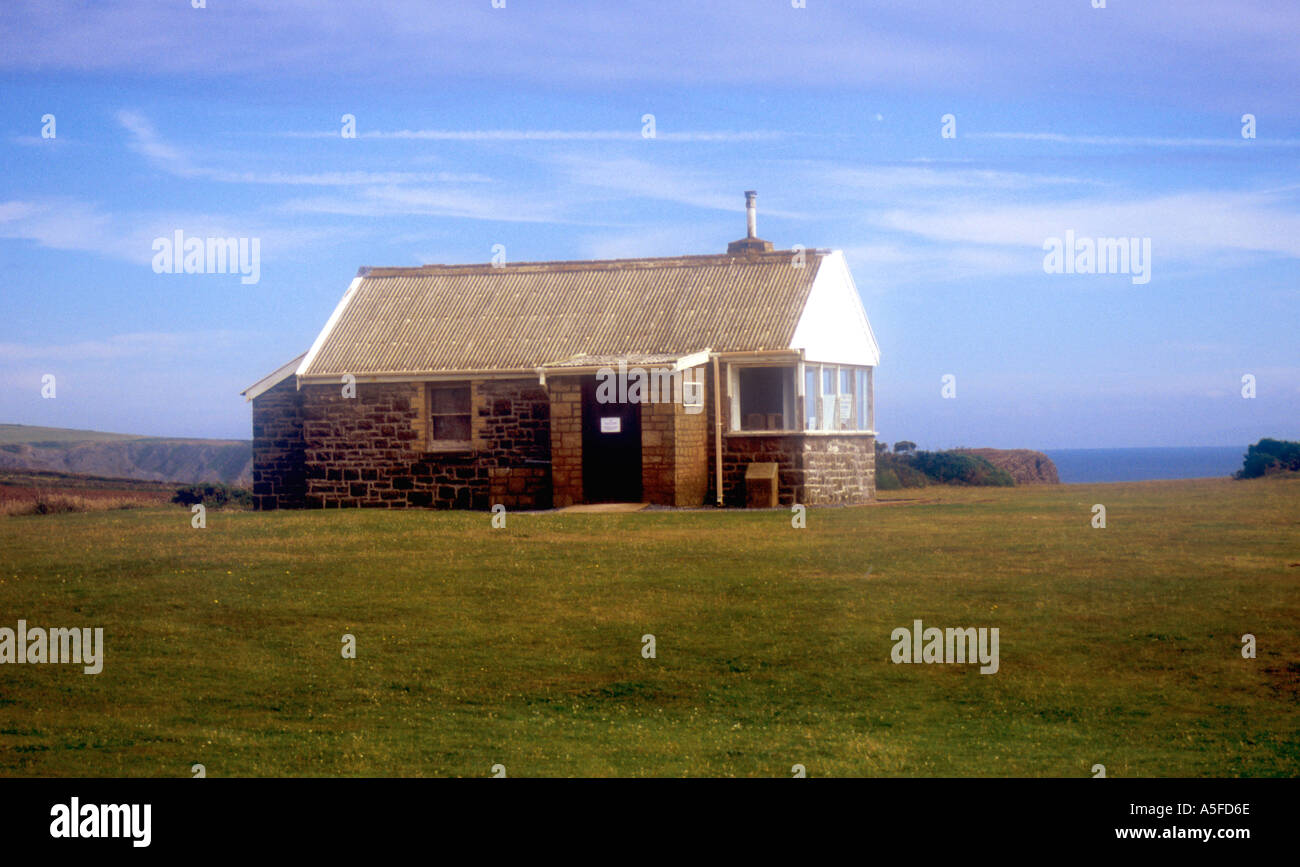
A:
<point x="894" y="472"/>
<point x="58" y="504"/>
<point x="907" y="468"/>
<point x="214" y="496"/>
<point x="1269" y="456"/>
<point x="951" y="468"/>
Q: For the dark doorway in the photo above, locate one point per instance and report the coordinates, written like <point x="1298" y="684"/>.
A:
<point x="611" y="449"/>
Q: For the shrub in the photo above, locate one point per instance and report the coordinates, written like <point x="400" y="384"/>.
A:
<point x="1269" y="456"/>
<point x="907" y="468"/>
<point x="214" y="495"/>
<point x="951" y="468"/>
<point x="57" y="504"/>
<point x="894" y="472"/>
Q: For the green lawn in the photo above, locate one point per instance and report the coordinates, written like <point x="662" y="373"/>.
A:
<point x="522" y="646"/>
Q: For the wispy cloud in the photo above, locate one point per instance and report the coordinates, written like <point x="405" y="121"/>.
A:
<point x="145" y="140"/>
<point x="913" y="178"/>
<point x="562" y="135"/>
<point x="1229" y="140"/>
<point x="142" y="344"/>
<point x="638" y="178"/>
<point x="64" y="223"/>
<point x="37" y="141"/>
<point x="397" y="201"/>
<point x="907" y="45"/>
<point x="1193" y="224"/>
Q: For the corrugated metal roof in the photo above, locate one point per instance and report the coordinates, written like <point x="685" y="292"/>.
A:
<point x="441" y="318"/>
<point x="630" y="358"/>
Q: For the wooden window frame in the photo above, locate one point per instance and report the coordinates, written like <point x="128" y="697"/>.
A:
<point x="436" y="445"/>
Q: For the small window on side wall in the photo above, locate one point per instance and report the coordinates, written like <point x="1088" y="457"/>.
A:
<point x="449" y="416"/>
<point x="693" y="395"/>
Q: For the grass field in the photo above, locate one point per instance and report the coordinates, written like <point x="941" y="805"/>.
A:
<point x="522" y="646"/>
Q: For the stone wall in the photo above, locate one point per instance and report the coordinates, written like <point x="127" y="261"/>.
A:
<point x="814" y="470"/>
<point x="279" y="467"/>
<point x="371" y="450"/>
<point x="658" y="453"/>
<point x="839" y="470"/>
<point x="566" y="440"/>
<point x="693" y="446"/>
<point x="738" y="452"/>
<point x="520" y="487"/>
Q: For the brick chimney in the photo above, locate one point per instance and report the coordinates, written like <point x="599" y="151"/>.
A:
<point x="751" y="243"/>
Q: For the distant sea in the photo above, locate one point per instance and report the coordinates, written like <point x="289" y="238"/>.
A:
<point x="1135" y="465"/>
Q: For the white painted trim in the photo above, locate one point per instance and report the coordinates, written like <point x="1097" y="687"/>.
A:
<point x="800" y="433"/>
<point x="329" y="326"/>
<point x="833" y="326"/>
<point x="733" y="396"/>
<point x="271" y="380"/>
<point x="695" y="359"/>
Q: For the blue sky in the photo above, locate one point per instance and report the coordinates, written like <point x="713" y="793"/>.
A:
<point x="522" y="126"/>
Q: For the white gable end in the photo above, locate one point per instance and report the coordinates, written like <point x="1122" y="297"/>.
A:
<point x="833" y="327"/>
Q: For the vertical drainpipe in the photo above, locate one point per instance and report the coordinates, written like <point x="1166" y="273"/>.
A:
<point x="717" y="427"/>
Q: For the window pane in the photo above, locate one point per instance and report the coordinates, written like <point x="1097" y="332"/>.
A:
<point x="828" y="380"/>
<point x="447" y="400"/>
<point x="451" y="427"/>
<point x="846" y="381"/>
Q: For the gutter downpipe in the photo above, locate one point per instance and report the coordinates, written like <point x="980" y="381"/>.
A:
<point x="717" y="426"/>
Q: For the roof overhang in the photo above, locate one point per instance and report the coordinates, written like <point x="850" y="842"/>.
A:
<point x="430" y="376"/>
<point x="271" y="380"/>
<point x="585" y="365"/>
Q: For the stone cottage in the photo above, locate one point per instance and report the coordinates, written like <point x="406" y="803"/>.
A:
<point x="547" y="384"/>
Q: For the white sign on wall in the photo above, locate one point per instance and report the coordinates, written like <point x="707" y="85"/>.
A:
<point x="611" y="425"/>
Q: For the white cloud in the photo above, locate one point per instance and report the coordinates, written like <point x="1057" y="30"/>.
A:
<point x="71" y="224"/>
<point x="1231" y="138"/>
<point x="562" y="135"/>
<point x="145" y="140"/>
<point x="390" y="201"/>
<point x="146" y="344"/>
<point x="856" y="180"/>
<point x="630" y="177"/>
<point x="1138" y="49"/>
<point x="1192" y="224"/>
